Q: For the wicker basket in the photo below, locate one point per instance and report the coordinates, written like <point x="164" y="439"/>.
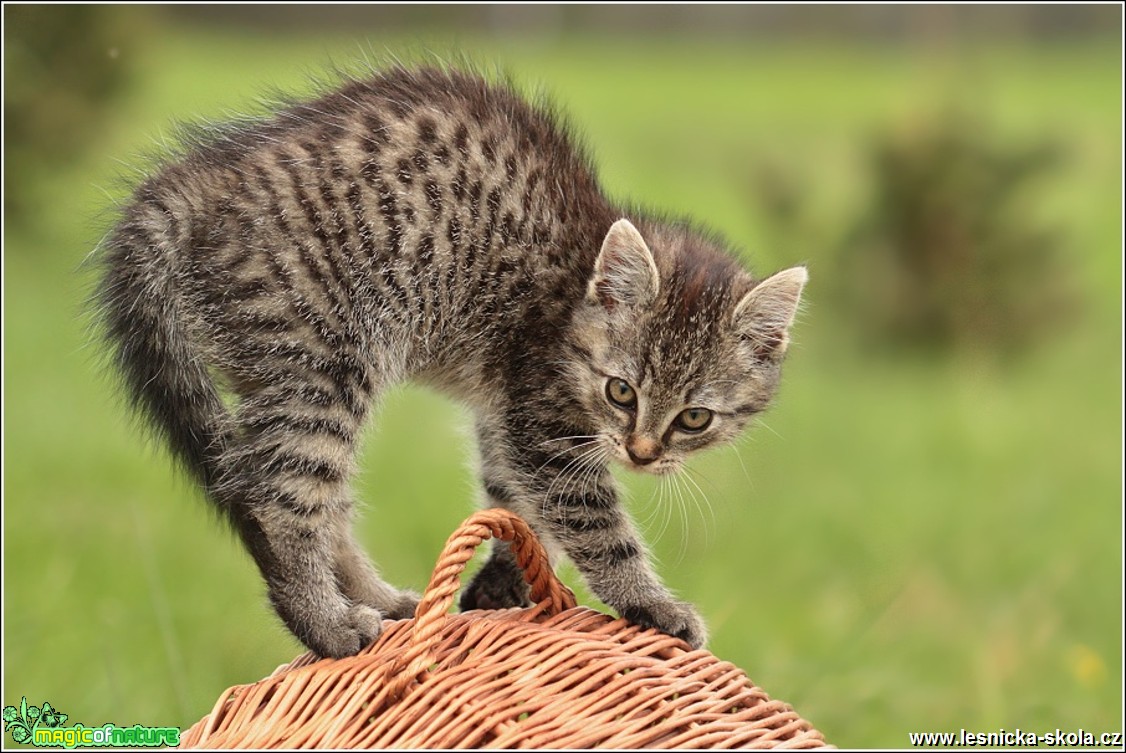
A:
<point x="550" y="676"/>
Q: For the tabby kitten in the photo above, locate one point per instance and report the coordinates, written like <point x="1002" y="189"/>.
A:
<point x="263" y="287"/>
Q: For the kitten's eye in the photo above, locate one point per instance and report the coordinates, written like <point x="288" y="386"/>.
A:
<point x="693" y="420"/>
<point x="619" y="393"/>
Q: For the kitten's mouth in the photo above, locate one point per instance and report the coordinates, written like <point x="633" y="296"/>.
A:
<point x="659" y="466"/>
<point x="651" y="469"/>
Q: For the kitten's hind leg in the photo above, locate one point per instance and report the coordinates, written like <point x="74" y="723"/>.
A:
<point x="287" y="487"/>
<point x="303" y="591"/>
<point x="360" y="582"/>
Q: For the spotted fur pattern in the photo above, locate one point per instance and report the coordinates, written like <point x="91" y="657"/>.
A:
<point x="266" y="284"/>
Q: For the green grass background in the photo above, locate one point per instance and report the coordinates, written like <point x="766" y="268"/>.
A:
<point x="908" y="543"/>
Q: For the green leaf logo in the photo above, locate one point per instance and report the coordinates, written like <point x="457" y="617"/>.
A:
<point x="21" y="723"/>
<point x="16" y="722"/>
<point x="51" y="717"/>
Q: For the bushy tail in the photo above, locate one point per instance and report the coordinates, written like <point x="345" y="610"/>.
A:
<point x="142" y="319"/>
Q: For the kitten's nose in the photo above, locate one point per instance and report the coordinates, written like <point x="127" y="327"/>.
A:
<point x="643" y="451"/>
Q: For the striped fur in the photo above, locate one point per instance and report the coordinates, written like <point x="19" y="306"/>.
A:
<point x="263" y="287"/>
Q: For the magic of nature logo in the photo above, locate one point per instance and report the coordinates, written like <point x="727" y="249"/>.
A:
<point x="45" y="726"/>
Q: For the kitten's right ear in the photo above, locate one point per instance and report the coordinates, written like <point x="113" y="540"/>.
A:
<point x="764" y="315"/>
<point x="625" y="272"/>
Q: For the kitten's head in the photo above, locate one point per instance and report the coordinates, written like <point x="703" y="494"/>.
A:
<point x="680" y="346"/>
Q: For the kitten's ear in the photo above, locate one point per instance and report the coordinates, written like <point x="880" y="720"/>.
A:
<point x="764" y="316"/>
<point x="625" y="272"/>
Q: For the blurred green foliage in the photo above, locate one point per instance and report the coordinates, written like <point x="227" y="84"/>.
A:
<point x="947" y="251"/>
<point x="907" y="542"/>
<point x="950" y="252"/>
<point x="64" y="70"/>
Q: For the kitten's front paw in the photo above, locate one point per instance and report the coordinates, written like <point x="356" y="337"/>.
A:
<point x="495" y="588"/>
<point x="676" y="618"/>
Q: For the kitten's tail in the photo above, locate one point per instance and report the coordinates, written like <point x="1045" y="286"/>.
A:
<point x="142" y="320"/>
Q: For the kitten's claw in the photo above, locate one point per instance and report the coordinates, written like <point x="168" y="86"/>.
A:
<point x="676" y="618"/>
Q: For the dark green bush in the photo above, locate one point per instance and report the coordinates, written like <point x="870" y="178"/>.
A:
<point x="949" y="251"/>
<point x="945" y="250"/>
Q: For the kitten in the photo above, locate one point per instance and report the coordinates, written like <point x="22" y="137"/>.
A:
<point x="266" y="284"/>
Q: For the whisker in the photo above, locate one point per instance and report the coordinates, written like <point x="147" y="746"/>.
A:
<point x="564" y="451"/>
<point x="592" y="466"/>
<point x="650" y="511"/>
<point x="681" y="507"/>
<point x="665" y="507"/>
<point x="571" y="470"/>
<point x="709" y="519"/>
<point x="739" y="457"/>
<point x="590" y="476"/>
<point x="763" y="424"/>
<point x="572" y="465"/>
<point x="562" y="439"/>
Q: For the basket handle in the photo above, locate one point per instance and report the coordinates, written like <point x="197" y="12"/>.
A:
<point x="436" y="600"/>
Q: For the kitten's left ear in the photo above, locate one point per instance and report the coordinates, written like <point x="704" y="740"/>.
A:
<point x="625" y="272"/>
<point x="764" y="316"/>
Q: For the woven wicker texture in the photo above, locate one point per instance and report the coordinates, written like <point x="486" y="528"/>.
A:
<point x="550" y="676"/>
